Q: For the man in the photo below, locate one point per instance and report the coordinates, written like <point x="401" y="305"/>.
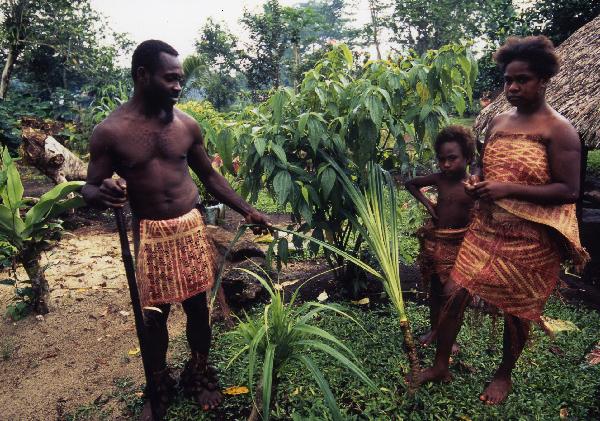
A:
<point x="150" y="144"/>
<point x="526" y="223"/>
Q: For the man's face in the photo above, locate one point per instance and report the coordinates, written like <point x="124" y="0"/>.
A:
<point x="451" y="159"/>
<point x="521" y="85"/>
<point x="164" y="85"/>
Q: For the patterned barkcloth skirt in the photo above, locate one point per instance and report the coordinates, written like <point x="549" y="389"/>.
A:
<point x="175" y="260"/>
<point x="439" y="248"/>
<point x="510" y="262"/>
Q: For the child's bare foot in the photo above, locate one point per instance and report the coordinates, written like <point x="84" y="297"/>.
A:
<point x="427" y="338"/>
<point x="432" y="374"/>
<point x="497" y="391"/>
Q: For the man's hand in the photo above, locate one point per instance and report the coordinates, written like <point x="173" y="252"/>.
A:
<point x="492" y="190"/>
<point x="256" y="217"/>
<point x="112" y="193"/>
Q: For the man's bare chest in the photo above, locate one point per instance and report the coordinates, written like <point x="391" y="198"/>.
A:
<point x="140" y="146"/>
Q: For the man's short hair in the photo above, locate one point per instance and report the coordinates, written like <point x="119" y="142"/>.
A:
<point x="459" y="134"/>
<point x="147" y="55"/>
<point x="537" y="51"/>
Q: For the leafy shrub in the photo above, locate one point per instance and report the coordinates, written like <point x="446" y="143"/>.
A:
<point x="593" y="163"/>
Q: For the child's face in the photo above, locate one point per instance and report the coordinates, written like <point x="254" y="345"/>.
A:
<point x="451" y="159"/>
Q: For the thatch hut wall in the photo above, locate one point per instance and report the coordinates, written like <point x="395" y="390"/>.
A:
<point x="574" y="91"/>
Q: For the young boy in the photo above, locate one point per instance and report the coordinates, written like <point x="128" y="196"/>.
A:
<point x="441" y="238"/>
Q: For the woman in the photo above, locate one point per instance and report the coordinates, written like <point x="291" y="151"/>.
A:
<point x="526" y="224"/>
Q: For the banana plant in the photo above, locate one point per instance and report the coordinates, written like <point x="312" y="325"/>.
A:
<point x="284" y="334"/>
<point x="28" y="234"/>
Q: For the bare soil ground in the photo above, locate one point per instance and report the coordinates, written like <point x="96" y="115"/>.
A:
<point x="54" y="364"/>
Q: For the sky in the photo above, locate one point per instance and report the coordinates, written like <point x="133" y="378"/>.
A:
<point x="178" y="22"/>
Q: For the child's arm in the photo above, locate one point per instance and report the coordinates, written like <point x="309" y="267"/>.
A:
<point x="414" y="187"/>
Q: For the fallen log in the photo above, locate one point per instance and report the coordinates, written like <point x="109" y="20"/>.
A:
<point x="50" y="157"/>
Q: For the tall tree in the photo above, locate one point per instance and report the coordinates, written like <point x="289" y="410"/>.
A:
<point x="59" y="43"/>
<point x="429" y="25"/>
<point x="214" y="69"/>
<point x="268" y="36"/>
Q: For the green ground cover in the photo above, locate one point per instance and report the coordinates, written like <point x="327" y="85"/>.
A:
<point x="551" y="375"/>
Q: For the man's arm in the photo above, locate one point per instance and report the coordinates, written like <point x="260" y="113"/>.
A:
<point x="414" y="187"/>
<point x="214" y="182"/>
<point x="100" y="189"/>
<point x="564" y="159"/>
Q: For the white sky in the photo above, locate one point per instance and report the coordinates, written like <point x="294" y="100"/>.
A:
<point x="178" y="22"/>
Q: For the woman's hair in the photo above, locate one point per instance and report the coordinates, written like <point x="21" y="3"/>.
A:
<point x="537" y="51"/>
<point x="459" y="134"/>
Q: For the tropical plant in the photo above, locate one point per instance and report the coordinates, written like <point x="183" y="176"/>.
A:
<point x="28" y="235"/>
<point x="385" y="111"/>
<point x="376" y="218"/>
<point x="284" y="334"/>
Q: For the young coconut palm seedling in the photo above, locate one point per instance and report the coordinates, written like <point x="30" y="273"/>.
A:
<point x="376" y="220"/>
<point x="285" y="334"/>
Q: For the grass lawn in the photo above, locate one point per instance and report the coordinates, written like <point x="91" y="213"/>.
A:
<point x="550" y="375"/>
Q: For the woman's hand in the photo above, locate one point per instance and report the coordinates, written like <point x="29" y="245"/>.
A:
<point x="492" y="190"/>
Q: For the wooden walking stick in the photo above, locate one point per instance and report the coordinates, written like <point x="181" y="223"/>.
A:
<point x="137" y="308"/>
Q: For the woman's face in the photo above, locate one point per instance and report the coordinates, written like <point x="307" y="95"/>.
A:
<point x="521" y="85"/>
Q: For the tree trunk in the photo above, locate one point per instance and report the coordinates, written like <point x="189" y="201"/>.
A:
<point x="374" y="23"/>
<point x="30" y="259"/>
<point x="413" y="358"/>
<point x="50" y="157"/>
<point x="11" y="58"/>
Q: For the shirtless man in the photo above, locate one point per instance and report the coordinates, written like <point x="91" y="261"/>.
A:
<point x="150" y="144"/>
<point x="511" y="254"/>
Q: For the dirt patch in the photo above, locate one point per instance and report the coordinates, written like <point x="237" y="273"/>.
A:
<point x="74" y="354"/>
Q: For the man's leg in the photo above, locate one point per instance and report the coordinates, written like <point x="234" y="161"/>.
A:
<point x="516" y="333"/>
<point x="155" y="323"/>
<point x="199" y="379"/>
<point x="450" y="321"/>
<point x="158" y="336"/>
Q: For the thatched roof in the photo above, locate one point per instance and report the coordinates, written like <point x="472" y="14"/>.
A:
<point x="574" y="91"/>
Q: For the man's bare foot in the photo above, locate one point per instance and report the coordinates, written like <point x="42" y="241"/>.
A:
<point x="427" y="338"/>
<point x="497" y="391"/>
<point x="431" y="374"/>
<point x="209" y="399"/>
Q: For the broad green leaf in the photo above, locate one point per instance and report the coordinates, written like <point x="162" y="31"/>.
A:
<point x="347" y="54"/>
<point x="13" y="193"/>
<point x="375" y="107"/>
<point x="225" y="145"/>
<point x="302" y="120"/>
<point x="41" y="209"/>
<point x="327" y="181"/>
<point x="282" y="183"/>
<point x="279" y="152"/>
<point x="260" y="145"/>
<point x="282" y="250"/>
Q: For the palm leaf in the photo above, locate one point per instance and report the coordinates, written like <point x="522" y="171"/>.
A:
<point x="267" y="380"/>
<point x="341" y="358"/>
<point x="323" y="385"/>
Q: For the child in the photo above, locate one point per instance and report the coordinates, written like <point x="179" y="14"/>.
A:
<point x="441" y="238"/>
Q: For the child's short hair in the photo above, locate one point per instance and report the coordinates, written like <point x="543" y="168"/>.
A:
<point x="537" y="51"/>
<point x="459" y="134"/>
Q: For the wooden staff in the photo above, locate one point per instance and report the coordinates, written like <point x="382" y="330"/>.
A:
<point x="137" y="308"/>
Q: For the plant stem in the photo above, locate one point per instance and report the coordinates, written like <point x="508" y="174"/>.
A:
<point x="30" y="259"/>
<point x="411" y="351"/>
